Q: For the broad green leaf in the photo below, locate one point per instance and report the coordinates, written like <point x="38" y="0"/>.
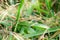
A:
<point x="31" y="30"/>
<point x="40" y="25"/>
<point x="22" y="30"/>
<point x="39" y="33"/>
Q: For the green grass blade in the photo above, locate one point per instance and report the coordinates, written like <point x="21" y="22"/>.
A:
<point x="10" y="37"/>
<point x="39" y="33"/>
<point x="48" y="4"/>
<point x="18" y="13"/>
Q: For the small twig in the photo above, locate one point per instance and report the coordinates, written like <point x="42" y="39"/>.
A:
<point x="53" y="2"/>
<point x="43" y="35"/>
<point x="5" y="14"/>
<point x="55" y="34"/>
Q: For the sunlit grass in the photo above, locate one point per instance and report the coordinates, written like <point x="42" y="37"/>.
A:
<point x="29" y="20"/>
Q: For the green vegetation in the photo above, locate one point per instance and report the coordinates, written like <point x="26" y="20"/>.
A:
<point x="29" y="19"/>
